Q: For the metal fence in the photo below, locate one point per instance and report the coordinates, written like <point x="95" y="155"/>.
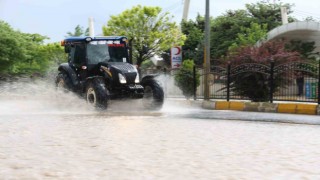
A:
<point x="294" y="81"/>
<point x="282" y="81"/>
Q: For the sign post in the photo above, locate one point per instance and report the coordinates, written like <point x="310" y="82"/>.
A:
<point x="176" y="57"/>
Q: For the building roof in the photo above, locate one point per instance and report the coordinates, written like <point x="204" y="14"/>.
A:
<point x="305" y="31"/>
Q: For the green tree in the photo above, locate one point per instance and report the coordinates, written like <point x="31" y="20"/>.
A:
<point x="193" y="46"/>
<point x="304" y="48"/>
<point x="25" y="53"/>
<point x="250" y="36"/>
<point x="19" y="51"/>
<point x="34" y="60"/>
<point x="225" y="31"/>
<point x="227" y="27"/>
<point x="184" y="78"/>
<point x="78" y="31"/>
<point x="10" y="47"/>
<point x="145" y="27"/>
<point x="55" y="53"/>
<point x="265" y="12"/>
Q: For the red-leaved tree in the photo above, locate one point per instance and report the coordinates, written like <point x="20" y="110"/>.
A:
<point x="252" y="82"/>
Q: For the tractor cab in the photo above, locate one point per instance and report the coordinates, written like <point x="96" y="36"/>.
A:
<point x="87" y="52"/>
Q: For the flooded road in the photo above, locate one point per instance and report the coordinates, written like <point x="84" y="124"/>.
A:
<point x="47" y="135"/>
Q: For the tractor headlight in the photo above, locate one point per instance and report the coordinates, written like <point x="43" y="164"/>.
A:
<point x="137" y="80"/>
<point x="122" y="79"/>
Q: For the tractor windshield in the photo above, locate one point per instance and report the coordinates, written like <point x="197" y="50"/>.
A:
<point x="106" y="51"/>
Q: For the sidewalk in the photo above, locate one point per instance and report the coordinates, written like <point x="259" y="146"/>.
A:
<point x="283" y="107"/>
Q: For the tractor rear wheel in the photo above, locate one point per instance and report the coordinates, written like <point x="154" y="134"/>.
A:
<point x="63" y="82"/>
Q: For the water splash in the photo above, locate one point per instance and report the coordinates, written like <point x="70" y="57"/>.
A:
<point x="27" y="96"/>
<point x="169" y="87"/>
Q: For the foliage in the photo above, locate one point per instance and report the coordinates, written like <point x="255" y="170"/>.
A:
<point x="146" y="64"/>
<point x="145" y="27"/>
<point x="24" y="53"/>
<point x="19" y="51"/>
<point x="228" y="28"/>
<point x="252" y="83"/>
<point x="54" y="52"/>
<point x="232" y="29"/>
<point x="34" y="60"/>
<point x="184" y="78"/>
<point x="10" y="51"/>
<point x="304" y="48"/>
<point x="265" y="12"/>
<point x="250" y="36"/>
<point x="310" y="18"/>
<point x="78" y="31"/>
<point x="225" y="31"/>
<point x="193" y="46"/>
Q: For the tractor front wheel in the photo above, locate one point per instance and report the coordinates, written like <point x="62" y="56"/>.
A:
<point x="153" y="95"/>
<point x="97" y="94"/>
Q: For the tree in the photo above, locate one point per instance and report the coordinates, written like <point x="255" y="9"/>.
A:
<point x="55" y="53"/>
<point x="25" y="53"/>
<point x="227" y="27"/>
<point x="268" y="13"/>
<point x="193" y="46"/>
<point x="250" y="36"/>
<point x="19" y="52"/>
<point x="304" y="48"/>
<point x="78" y="31"/>
<point x="34" y="60"/>
<point x="254" y="84"/>
<point x="184" y="78"/>
<point x="225" y="31"/>
<point x="150" y="31"/>
<point x="10" y="47"/>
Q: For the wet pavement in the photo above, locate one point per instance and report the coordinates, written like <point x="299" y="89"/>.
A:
<point x="47" y="135"/>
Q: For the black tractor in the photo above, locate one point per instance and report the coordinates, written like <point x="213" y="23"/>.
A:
<point x="99" y="69"/>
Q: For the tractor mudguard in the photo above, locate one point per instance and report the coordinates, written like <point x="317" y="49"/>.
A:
<point x="70" y="72"/>
<point x="147" y="77"/>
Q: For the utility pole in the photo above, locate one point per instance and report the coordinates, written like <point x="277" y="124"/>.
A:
<point x="185" y="9"/>
<point x="284" y="15"/>
<point x="91" y="27"/>
<point x="207" y="52"/>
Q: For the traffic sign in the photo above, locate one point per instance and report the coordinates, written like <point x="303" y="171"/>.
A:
<point x="176" y="57"/>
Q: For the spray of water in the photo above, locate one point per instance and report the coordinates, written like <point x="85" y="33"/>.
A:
<point x="29" y="96"/>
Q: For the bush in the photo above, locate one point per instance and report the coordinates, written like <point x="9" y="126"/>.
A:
<point x="254" y="84"/>
<point x="184" y="78"/>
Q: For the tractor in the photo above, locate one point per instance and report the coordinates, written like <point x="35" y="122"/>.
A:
<point x="99" y="70"/>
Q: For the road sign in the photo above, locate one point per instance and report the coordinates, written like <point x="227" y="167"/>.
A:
<point x="176" y="57"/>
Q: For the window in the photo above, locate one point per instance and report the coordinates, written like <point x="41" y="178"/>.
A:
<point x="78" y="54"/>
<point x="98" y="53"/>
<point x="106" y="51"/>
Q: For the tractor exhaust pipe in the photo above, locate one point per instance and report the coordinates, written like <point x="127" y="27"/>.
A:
<point x="91" y="27"/>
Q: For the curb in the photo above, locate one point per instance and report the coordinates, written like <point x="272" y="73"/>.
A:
<point x="291" y="108"/>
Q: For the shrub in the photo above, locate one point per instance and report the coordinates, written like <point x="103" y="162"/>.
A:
<point x="184" y="78"/>
<point x="252" y="83"/>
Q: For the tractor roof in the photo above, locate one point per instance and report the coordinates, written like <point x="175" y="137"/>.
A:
<point x="84" y="38"/>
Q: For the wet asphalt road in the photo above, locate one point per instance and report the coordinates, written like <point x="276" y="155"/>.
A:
<point x="45" y="135"/>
